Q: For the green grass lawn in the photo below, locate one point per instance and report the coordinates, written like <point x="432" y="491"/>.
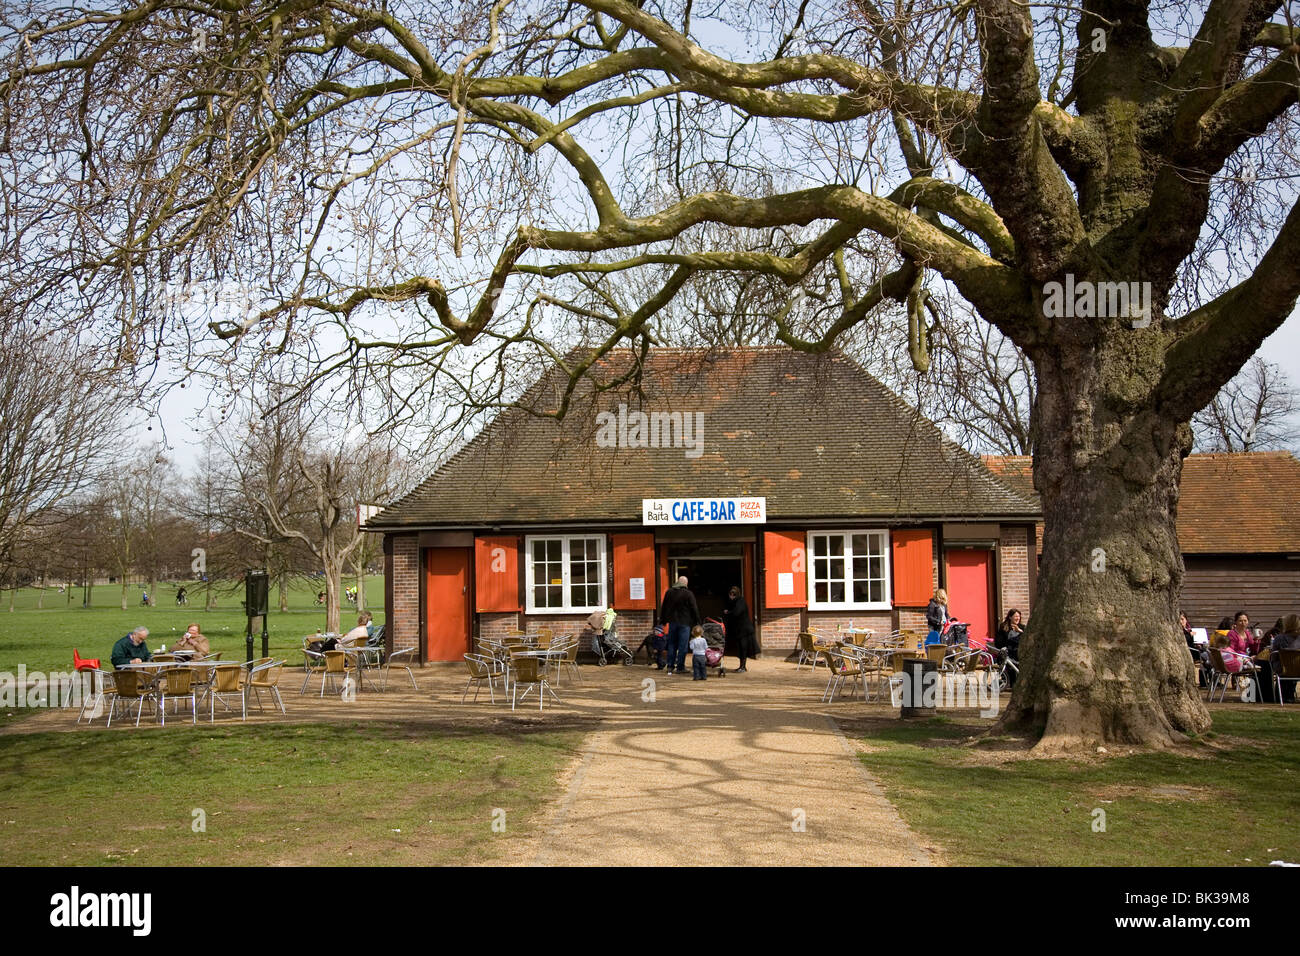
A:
<point x="43" y="639"/>
<point x="1233" y="801"/>
<point x="370" y="793"/>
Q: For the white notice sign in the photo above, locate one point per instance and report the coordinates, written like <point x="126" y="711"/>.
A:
<point x="636" y="589"/>
<point x="785" y="582"/>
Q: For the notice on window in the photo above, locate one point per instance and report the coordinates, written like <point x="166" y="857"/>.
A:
<point x="557" y="581"/>
<point x="785" y="582"/>
<point x="636" y="589"/>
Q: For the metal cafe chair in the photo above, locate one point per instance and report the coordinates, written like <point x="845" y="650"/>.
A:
<point x="402" y="659"/>
<point x="1288" y="668"/>
<point x="265" y="676"/>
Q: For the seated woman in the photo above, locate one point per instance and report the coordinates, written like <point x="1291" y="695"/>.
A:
<point x="360" y="633"/>
<point x="192" y="640"/>
<point x="1240" y="638"/>
<point x="1008" y="639"/>
<point x="1192" y="647"/>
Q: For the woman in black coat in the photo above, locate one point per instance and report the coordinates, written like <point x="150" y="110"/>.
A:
<point x="740" y="627"/>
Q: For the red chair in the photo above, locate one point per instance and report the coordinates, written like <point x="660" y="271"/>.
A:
<point x="80" y="663"/>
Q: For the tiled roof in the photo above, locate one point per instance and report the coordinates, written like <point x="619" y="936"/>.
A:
<point x="1228" y="504"/>
<point x="814" y="434"/>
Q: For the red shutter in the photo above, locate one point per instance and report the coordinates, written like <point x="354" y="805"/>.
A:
<point x="785" y="552"/>
<point x="496" y="574"/>
<point x="634" y="557"/>
<point x="913" y="574"/>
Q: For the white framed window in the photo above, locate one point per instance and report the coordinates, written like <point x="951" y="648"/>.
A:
<point x="565" y="573"/>
<point x="848" y="571"/>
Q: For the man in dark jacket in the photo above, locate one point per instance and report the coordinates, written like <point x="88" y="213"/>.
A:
<point x="132" y="648"/>
<point x="680" y="612"/>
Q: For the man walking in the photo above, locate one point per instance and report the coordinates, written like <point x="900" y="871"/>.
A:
<point x="680" y="612"/>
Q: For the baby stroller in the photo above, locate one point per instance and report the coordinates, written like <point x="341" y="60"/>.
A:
<point x="955" y="632"/>
<point x="715" y="636"/>
<point x="607" y="645"/>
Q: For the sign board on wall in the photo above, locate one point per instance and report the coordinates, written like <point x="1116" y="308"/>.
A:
<point x="697" y="511"/>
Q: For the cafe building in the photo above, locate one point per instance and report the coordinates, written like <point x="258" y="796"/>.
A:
<point x="798" y="478"/>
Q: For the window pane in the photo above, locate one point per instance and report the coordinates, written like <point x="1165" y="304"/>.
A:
<point x="539" y="550"/>
<point x="860" y="567"/>
<point x="861" y="593"/>
<point x="819" y="544"/>
<point x="878" y="568"/>
<point x="540" y="575"/>
<point x="578" y="573"/>
<point x="555" y="596"/>
<point x="862" y="544"/>
<point x="878" y="591"/>
<point x="836" y="569"/>
<point x="837" y="544"/>
<point x="819" y="592"/>
<point x="837" y="592"/>
<point x="553" y="548"/>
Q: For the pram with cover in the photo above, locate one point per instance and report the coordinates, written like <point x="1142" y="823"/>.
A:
<point x="715" y="636"/>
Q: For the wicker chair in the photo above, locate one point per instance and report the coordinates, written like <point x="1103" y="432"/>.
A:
<point x="1288" y="668"/>
<point x="131" y="685"/>
<point x="482" y="668"/>
<point x="527" y="671"/>
<point x="336" y="668"/>
<point x="227" y="683"/>
<point x="177" y="683"/>
<point x="265" y="676"/>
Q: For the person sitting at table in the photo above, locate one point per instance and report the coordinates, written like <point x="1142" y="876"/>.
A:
<point x="1008" y="639"/>
<point x="360" y="633"/>
<point x="1240" y="638"/>
<point x="192" y="640"/>
<point x="1287" y="640"/>
<point x="1192" y="647"/>
<point x="132" y="649"/>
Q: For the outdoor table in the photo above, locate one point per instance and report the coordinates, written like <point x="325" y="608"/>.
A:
<point x="358" y="651"/>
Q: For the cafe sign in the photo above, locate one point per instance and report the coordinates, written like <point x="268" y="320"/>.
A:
<point x="692" y="511"/>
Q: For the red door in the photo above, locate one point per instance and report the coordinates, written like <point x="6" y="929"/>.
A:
<point x="970" y="587"/>
<point x="447" y="609"/>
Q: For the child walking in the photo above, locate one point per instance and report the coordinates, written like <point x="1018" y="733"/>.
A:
<point x="699" y="648"/>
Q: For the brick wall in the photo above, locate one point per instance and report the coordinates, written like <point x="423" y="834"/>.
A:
<point x="1014" y="558"/>
<point x="781" y="627"/>
<point x="404" y="617"/>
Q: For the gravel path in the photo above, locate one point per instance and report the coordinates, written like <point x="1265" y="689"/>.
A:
<point x="746" y="769"/>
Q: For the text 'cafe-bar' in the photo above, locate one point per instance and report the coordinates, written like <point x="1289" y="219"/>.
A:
<point x="808" y="485"/>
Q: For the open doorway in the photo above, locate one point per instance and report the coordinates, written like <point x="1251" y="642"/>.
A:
<point x="712" y="571"/>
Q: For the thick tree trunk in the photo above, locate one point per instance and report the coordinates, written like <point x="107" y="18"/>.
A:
<point x="361" y="589"/>
<point x="125" y="595"/>
<point x="1103" y="659"/>
<point x="284" y="593"/>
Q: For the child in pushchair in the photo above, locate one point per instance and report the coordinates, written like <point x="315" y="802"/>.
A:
<point x="605" y="642"/>
<point x="714" y="633"/>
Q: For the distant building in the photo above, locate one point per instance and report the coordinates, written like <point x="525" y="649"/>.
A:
<point x="799" y="478"/>
<point x="1238" y="529"/>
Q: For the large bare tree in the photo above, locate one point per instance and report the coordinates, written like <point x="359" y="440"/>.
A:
<point x="60" y="417"/>
<point x="1256" y="411"/>
<point x="429" y="198"/>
